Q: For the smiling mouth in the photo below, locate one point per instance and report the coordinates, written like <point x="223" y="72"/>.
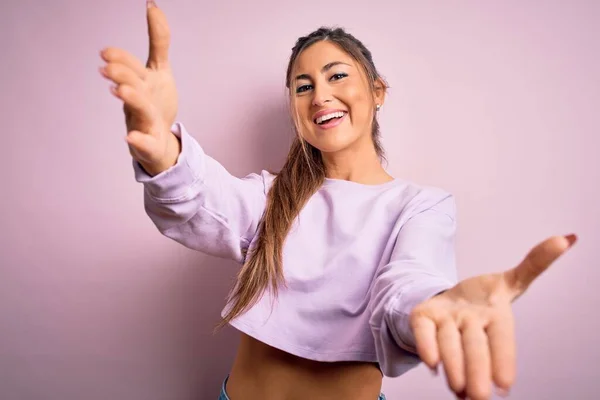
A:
<point x="329" y="118"/>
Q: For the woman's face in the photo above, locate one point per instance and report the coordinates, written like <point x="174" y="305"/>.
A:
<point x="332" y="99"/>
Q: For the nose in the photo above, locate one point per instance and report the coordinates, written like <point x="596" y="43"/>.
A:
<point x="321" y="95"/>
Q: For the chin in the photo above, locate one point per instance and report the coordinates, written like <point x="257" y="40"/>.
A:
<point x="331" y="143"/>
<point x="330" y="140"/>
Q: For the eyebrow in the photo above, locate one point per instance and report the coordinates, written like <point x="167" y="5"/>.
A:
<point x="325" y="68"/>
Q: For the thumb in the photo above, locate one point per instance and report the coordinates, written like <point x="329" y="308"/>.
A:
<point x="536" y="262"/>
<point x="159" y="35"/>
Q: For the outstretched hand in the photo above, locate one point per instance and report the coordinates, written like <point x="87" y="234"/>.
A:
<point x="470" y="327"/>
<point x="149" y="95"/>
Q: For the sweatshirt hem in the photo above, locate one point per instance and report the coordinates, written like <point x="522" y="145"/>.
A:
<point x="277" y="342"/>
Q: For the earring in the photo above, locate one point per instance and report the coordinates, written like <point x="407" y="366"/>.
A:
<point x="377" y="107"/>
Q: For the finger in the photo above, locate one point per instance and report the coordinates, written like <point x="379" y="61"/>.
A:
<point x="451" y="354"/>
<point x="477" y="360"/>
<point x="159" y="36"/>
<point x="121" y="74"/>
<point x="138" y="104"/>
<point x="119" y="56"/>
<point x="424" y="330"/>
<point x="536" y="262"/>
<point x="501" y="337"/>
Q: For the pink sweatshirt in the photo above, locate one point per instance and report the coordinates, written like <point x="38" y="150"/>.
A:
<point x="357" y="259"/>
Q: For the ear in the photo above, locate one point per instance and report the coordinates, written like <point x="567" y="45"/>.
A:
<point x="380" y="91"/>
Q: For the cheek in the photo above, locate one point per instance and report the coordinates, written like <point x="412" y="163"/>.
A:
<point x="297" y="107"/>
<point x="304" y="107"/>
<point x="301" y="113"/>
<point x="359" y="102"/>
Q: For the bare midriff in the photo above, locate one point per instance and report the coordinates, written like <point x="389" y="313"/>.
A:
<point x="262" y="372"/>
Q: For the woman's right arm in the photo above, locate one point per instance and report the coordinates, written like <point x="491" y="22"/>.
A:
<point x="190" y="197"/>
<point x="199" y="204"/>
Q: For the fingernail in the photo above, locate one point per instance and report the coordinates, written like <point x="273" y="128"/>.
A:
<point x="150" y="3"/>
<point x="434" y="371"/>
<point x="502" y="392"/>
<point x="571" y="238"/>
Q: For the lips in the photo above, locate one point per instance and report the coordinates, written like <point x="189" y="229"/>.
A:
<point x="333" y="122"/>
<point x="326" y="112"/>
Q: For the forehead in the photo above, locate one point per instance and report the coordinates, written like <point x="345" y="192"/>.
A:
<point x="319" y="54"/>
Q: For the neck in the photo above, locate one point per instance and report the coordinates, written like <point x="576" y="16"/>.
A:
<point x="359" y="164"/>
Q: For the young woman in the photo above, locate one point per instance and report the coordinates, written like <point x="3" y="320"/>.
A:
<point x="347" y="273"/>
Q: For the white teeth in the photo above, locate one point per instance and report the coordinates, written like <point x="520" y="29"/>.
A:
<point x="323" y="118"/>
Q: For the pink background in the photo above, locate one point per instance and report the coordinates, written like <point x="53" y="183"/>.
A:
<point x="494" y="101"/>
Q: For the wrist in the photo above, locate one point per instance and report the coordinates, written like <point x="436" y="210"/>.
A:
<point x="170" y="158"/>
<point x="173" y="151"/>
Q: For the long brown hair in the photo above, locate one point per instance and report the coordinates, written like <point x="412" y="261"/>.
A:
<point x="302" y="174"/>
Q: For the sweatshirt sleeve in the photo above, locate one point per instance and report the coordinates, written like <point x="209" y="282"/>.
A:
<point x="199" y="204"/>
<point x="422" y="265"/>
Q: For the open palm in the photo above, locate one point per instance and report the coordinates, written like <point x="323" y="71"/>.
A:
<point x="470" y="327"/>
<point x="149" y="95"/>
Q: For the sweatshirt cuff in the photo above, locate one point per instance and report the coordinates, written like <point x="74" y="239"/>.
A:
<point x="175" y="183"/>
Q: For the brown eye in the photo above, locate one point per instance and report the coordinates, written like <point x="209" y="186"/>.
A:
<point x="303" y="88"/>
<point x="337" y="77"/>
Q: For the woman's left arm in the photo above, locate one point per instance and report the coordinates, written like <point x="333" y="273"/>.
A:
<point x="420" y="313"/>
<point x="422" y="264"/>
<point x="469" y="328"/>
